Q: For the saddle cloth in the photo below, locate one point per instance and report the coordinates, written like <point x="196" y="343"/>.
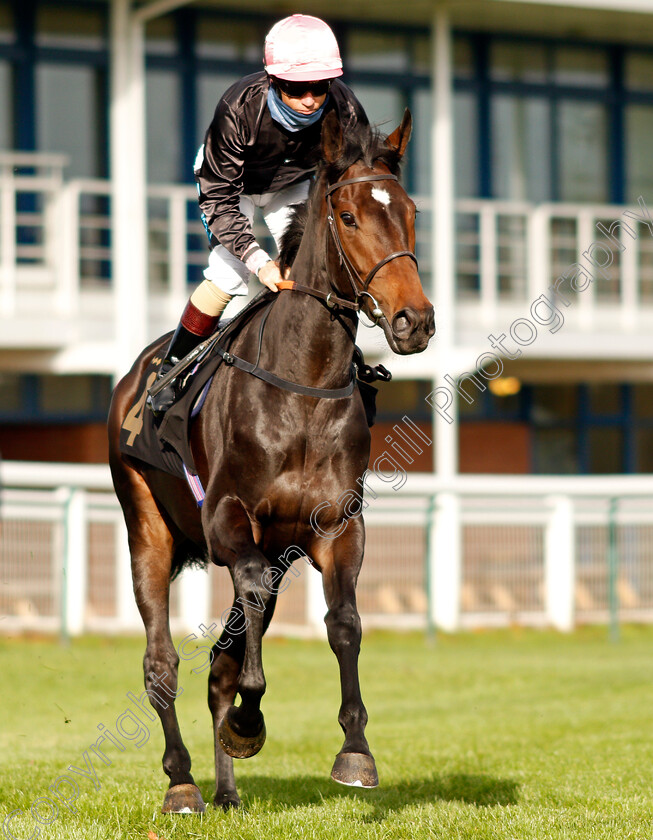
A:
<point x="164" y="443"/>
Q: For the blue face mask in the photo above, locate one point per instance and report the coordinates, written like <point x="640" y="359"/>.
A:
<point x="288" y="118"/>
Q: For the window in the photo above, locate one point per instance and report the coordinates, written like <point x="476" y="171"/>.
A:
<point x="639" y="172"/>
<point x="605" y="399"/>
<point x="403" y="397"/>
<point x="379" y="51"/>
<point x="555" y="451"/>
<point x="643" y="402"/>
<point x="606" y="450"/>
<point x="466" y="175"/>
<point x="12" y="393"/>
<point x="70" y="28"/>
<point x="592" y="428"/>
<point x="6" y="107"/>
<point x="521" y="158"/>
<point x="384" y="104"/>
<point x="583" y="151"/>
<point x="553" y="118"/>
<point x="52" y="398"/>
<point x="161" y="36"/>
<point x="69" y="116"/>
<point x="639" y="71"/>
<point x="210" y="87"/>
<point x="645" y="450"/>
<point x="554" y="403"/>
<point x="6" y="23"/>
<point x="511" y="61"/>
<point x="230" y="40"/>
<point x="580" y="67"/>
<point x="164" y="164"/>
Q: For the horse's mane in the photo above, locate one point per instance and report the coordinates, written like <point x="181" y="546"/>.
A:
<point x="364" y="144"/>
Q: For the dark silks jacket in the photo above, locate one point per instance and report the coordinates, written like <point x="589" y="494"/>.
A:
<point x="247" y="152"/>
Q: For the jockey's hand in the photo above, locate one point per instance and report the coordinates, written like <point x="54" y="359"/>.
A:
<point x="270" y="275"/>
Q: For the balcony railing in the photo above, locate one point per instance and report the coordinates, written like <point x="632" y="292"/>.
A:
<point x="56" y="257"/>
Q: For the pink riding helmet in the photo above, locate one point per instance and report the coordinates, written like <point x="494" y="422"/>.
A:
<point x="302" y="48"/>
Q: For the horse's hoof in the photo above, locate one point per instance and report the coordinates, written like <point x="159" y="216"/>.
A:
<point x="355" y="770"/>
<point x="235" y="744"/>
<point x="183" y="799"/>
<point x="228" y="799"/>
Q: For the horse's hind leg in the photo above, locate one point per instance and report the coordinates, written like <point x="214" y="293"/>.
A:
<point x="223" y="685"/>
<point x="151" y="546"/>
<point x="340" y="562"/>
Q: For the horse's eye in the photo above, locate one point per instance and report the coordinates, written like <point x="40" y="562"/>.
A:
<point x="348" y="219"/>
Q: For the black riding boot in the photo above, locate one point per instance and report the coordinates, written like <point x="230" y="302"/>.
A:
<point x="181" y="343"/>
<point x="194" y="326"/>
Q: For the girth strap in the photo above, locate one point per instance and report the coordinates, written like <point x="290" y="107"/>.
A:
<point x="286" y="384"/>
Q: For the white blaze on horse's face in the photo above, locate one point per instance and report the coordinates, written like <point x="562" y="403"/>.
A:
<point x="382" y="196"/>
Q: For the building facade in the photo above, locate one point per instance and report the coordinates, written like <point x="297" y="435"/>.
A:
<point x="530" y="163"/>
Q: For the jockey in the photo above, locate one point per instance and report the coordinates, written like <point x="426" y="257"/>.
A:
<point x="260" y="151"/>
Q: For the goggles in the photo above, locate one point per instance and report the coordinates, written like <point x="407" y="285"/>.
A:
<point x="295" y="90"/>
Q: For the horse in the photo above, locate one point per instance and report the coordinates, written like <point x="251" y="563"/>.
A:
<point x="272" y="451"/>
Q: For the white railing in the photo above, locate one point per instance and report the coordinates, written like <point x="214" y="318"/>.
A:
<point x="511" y="253"/>
<point x="56" y="258"/>
<point x="31" y="188"/>
<point x="478" y="551"/>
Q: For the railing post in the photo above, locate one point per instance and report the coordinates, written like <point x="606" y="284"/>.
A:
<point x="75" y="562"/>
<point x="445" y="562"/>
<point x="194" y="598"/>
<point x="613" y="570"/>
<point x="65" y="262"/>
<point x="539" y="253"/>
<point x="316" y="606"/>
<point x="488" y="223"/>
<point x="177" y="260"/>
<point x="630" y="294"/>
<point x="560" y="569"/>
<point x="586" y="300"/>
<point x="128" y="616"/>
<point x="7" y="242"/>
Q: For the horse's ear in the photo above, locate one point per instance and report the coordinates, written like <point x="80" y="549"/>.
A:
<point x="399" y="138"/>
<point x="331" y="138"/>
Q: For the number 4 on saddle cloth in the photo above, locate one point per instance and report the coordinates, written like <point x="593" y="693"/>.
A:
<point x="164" y="442"/>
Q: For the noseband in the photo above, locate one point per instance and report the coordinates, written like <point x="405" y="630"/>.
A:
<point x="352" y="273"/>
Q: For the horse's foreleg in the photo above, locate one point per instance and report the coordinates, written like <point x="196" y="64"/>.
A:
<point x="228" y="655"/>
<point x="242" y="729"/>
<point x="340" y="561"/>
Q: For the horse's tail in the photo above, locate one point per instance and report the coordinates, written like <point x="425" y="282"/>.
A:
<point x="188" y="554"/>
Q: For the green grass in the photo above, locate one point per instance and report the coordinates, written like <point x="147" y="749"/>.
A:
<point x="512" y="734"/>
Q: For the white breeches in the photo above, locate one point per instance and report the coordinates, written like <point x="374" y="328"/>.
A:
<point x="228" y="272"/>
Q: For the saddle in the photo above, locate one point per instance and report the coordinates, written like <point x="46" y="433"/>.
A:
<point x="164" y="443"/>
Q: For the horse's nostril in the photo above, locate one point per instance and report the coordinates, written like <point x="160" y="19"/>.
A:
<point x="403" y="323"/>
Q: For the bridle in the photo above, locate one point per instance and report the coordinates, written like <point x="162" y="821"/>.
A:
<point x="352" y="273"/>
<point x="358" y="369"/>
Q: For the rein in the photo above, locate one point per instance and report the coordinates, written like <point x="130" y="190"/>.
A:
<point x="365" y="372"/>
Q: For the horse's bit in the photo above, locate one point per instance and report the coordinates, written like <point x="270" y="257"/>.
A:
<point x="352" y="273"/>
